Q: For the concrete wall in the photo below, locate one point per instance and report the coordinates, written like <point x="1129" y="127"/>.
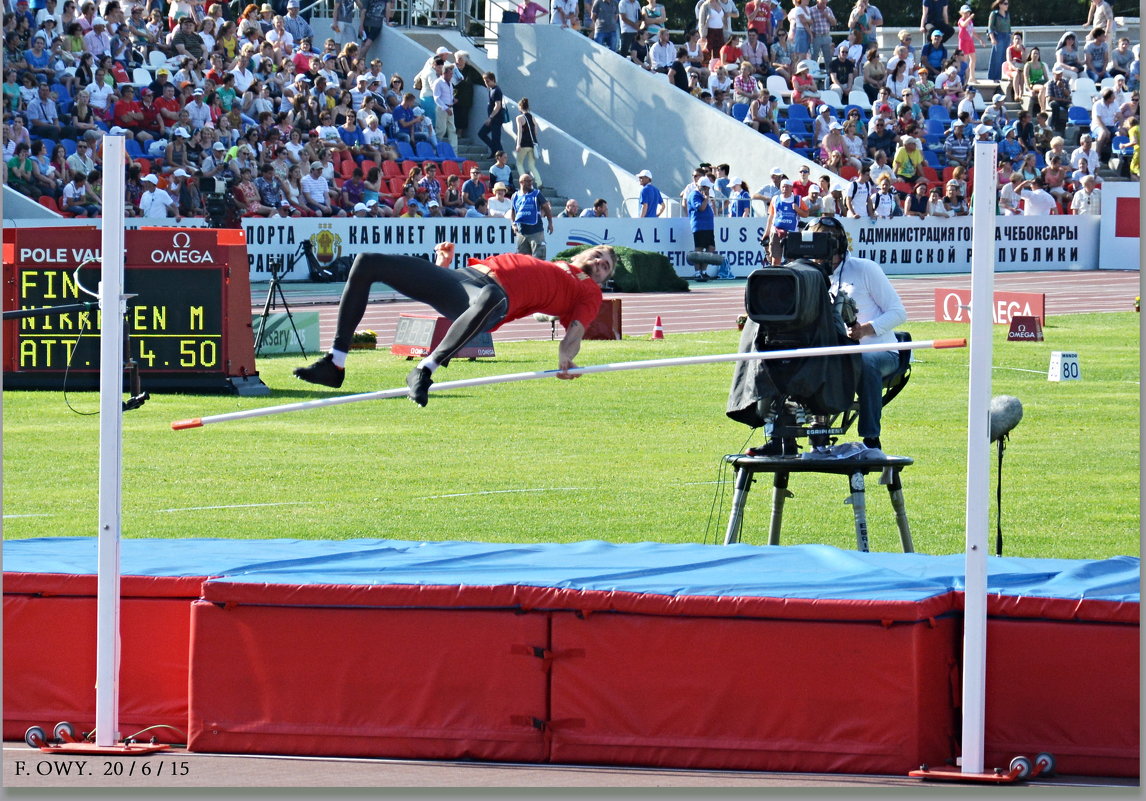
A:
<point x="631" y="117"/>
<point x="18" y="207"/>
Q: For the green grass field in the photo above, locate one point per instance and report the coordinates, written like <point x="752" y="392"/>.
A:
<point x="623" y="457"/>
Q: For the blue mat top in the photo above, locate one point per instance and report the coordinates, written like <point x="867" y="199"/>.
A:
<point x="799" y="571"/>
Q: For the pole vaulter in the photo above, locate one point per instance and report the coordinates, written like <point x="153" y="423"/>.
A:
<point x="795" y="353"/>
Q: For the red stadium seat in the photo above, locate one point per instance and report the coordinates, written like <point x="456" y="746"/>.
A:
<point x="848" y="172"/>
<point x="391" y="169"/>
<point x="449" y="168"/>
<point x="468" y="165"/>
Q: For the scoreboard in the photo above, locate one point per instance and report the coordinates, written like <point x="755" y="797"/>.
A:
<point x="188" y="320"/>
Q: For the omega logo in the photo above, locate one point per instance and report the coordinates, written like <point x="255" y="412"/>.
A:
<point x="181" y="252"/>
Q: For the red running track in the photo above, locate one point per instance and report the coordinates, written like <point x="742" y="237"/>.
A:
<point x="714" y="306"/>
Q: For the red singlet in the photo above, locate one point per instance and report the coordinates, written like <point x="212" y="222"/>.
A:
<point x="533" y="285"/>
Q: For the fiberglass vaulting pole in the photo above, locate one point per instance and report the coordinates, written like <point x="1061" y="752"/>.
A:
<point x="978" y="461"/>
<point x="112" y="306"/>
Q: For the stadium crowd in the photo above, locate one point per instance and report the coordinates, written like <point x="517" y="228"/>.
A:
<point x="297" y="127"/>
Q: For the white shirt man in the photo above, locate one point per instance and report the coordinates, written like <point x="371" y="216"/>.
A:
<point x="155" y="202"/>
<point x="243" y="75"/>
<point x="1087" y="200"/>
<point x="315" y="188"/>
<point x="1036" y="200"/>
<point x="663" y="52"/>
<point x="444" y="103"/>
<point x="564" y="13"/>
<point x="98" y="94"/>
<point x="198" y="111"/>
<point x="1084" y="152"/>
<point x="81" y="161"/>
<point x="771" y="190"/>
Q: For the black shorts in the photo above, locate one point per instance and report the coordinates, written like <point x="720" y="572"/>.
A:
<point x="371" y="31"/>
<point x="704" y="239"/>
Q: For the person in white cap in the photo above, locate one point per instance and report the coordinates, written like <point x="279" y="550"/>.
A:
<point x="821" y="122"/>
<point x="651" y="200"/>
<point x="784" y="213"/>
<point x="701" y="221"/>
<point x="968" y="38"/>
<point x="299" y="28"/>
<point x="155" y="202"/>
<point x="769" y="191"/>
<point x="98" y="41"/>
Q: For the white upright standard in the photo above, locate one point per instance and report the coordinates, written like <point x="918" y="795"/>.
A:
<point x="112" y="305"/>
<point x="978" y="462"/>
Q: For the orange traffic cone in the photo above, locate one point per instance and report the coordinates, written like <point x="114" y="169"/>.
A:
<point x="658" y="329"/>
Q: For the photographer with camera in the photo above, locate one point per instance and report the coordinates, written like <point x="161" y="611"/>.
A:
<point x="878" y="311"/>
<point x="820" y="297"/>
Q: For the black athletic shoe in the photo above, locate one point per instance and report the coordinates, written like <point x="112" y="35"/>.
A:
<point x="322" y="372"/>
<point x="872" y="442"/>
<point x="418" y="380"/>
<point x="775" y="447"/>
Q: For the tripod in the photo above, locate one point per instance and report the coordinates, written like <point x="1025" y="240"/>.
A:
<point x="276" y="289"/>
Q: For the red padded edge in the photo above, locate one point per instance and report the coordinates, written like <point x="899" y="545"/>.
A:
<point x="553" y="598"/>
<point x="48" y="584"/>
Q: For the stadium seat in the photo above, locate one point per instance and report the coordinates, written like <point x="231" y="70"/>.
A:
<point x="346" y="168"/>
<point x="49" y="202"/>
<point x="155" y="60"/>
<point x="832" y="98"/>
<point x="69" y="146"/>
<point x="449" y="167"/>
<point x="391" y="169"/>
<point x="848" y="172"/>
<point x="863" y="110"/>
<point x="739" y="110"/>
<point x="859" y="99"/>
<point x="140" y="77"/>
<point x="1083" y="84"/>
<point x="931" y="159"/>
<point x="405" y="152"/>
<point x="132" y="147"/>
<point x="446" y="151"/>
<point x="468" y="165"/>
<point x="777" y="87"/>
<point x="396" y="185"/>
<point x="144" y="165"/>
<point x="1078" y="116"/>
<point x="409" y="164"/>
<point x="367" y="165"/>
<point x="425" y="151"/>
<point x="929" y="172"/>
<point x="799" y="111"/>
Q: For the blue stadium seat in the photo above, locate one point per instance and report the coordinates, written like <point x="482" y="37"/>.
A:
<point x="931" y="158"/>
<point x="937" y="112"/>
<point x="446" y="151"/>
<point x="405" y="151"/>
<point x="424" y="151"/>
<point x="848" y="110"/>
<point x="69" y="145"/>
<point x="934" y="126"/>
<point x="133" y="149"/>
<point x="1121" y="146"/>
<point x="799" y="111"/>
<point x="1079" y="116"/>
<point x="739" y="110"/>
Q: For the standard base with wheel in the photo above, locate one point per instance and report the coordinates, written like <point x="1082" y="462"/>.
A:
<point x="65" y="741"/>
<point x="1021" y="769"/>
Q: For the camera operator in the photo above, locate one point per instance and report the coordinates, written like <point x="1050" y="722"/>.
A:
<point x="878" y="311"/>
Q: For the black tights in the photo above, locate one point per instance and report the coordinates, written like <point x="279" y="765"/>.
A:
<point x="470" y="298"/>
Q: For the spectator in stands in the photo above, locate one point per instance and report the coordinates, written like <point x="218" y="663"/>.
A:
<point x="1009" y="147"/>
<point x="500" y="204"/>
<point x="934" y="55"/>
<point x="822" y="21"/>
<point x="881" y="139"/>
<point x="298" y="27"/>
<point x="572" y="209"/>
<point x="1105" y="119"/>
<point x="1055" y="176"/>
<point x="780" y="53"/>
<point x="763" y="113"/>
<point x="915" y="204"/>
<point x="605" y="16"/>
<point x="1009" y="200"/>
<point x="745" y="89"/>
<point x="908" y="161"/>
<point x="874" y="74"/>
<point x="473" y="189"/>
<point x="957" y="147"/>
<point x="500" y="171"/>
<point x="1068" y="57"/>
<point x="317" y="193"/>
<point x="76" y="198"/>
<point x="841" y="71"/>
<point x="600" y="208"/>
<point x="1036" y="200"/>
<point x="662" y="53"/>
<point x="884" y="203"/>
<point x="1088" y="199"/>
<point x="1096" y="55"/>
<point x="804" y="87"/>
<point x="755" y="52"/>
<point x="954" y="200"/>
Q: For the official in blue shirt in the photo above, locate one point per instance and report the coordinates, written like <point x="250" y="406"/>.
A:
<point x="652" y="202"/>
<point x="701" y="218"/>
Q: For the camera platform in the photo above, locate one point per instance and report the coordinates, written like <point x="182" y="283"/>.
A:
<point x="855" y="469"/>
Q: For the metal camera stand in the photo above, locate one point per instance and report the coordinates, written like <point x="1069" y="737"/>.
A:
<point x="277" y="268"/>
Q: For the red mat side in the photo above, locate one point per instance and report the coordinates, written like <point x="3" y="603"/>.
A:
<point x="752" y="694"/>
<point x="1068" y="688"/>
<point x="401" y="683"/>
<point x="50" y="656"/>
<point x="86" y="584"/>
<point x="586" y="601"/>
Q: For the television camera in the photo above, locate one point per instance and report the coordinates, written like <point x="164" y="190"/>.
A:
<point x="222" y="211"/>
<point x="795" y="306"/>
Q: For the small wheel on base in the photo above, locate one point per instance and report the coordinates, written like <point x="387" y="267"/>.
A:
<point x="64" y="731"/>
<point x="35" y="737"/>
<point x="1021" y="767"/>
<point x="1045" y="762"/>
